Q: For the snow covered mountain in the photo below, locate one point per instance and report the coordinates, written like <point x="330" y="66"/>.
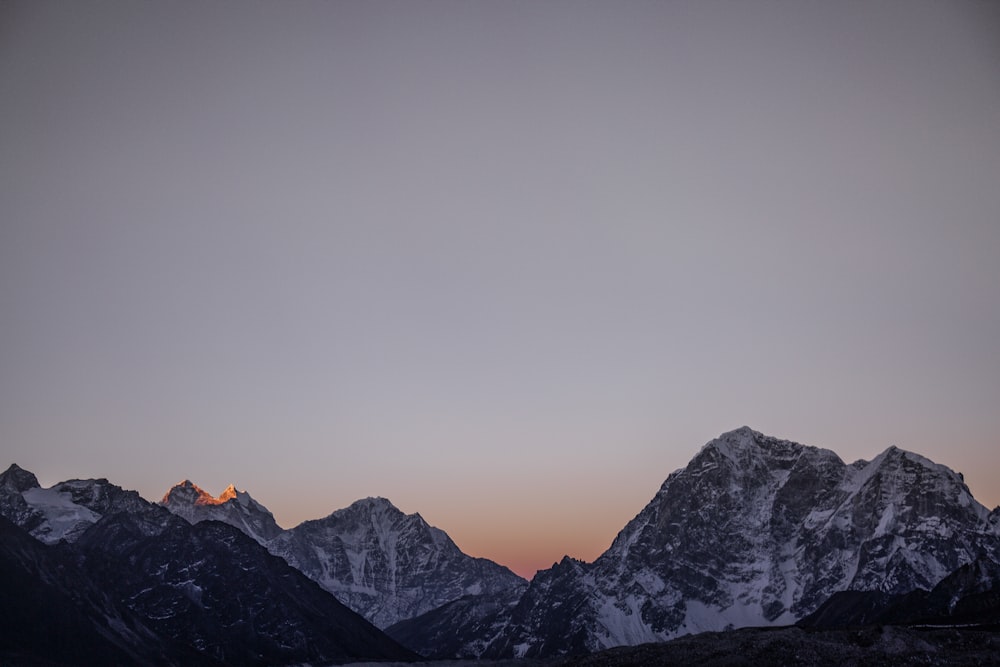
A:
<point x="387" y="565"/>
<point x="90" y="563"/>
<point x="383" y="564"/>
<point x="754" y="531"/>
<point x="210" y="587"/>
<point x="65" y="510"/>
<point x="234" y="507"/>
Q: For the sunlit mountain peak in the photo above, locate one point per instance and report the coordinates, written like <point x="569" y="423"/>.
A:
<point x="194" y="494"/>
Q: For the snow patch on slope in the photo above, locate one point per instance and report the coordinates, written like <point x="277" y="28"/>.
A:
<point x="64" y="519"/>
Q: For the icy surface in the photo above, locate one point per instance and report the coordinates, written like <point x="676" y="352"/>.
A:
<point x="64" y="511"/>
<point x="63" y="517"/>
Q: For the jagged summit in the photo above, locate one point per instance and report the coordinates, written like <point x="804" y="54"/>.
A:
<point x="388" y="565"/>
<point x="16" y="478"/>
<point x="893" y="454"/>
<point x="377" y="506"/>
<point x="744" y="450"/>
<point x="188" y="491"/>
<point x="232" y="506"/>
<point x="372" y="502"/>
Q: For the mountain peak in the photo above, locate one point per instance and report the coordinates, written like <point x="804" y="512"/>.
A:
<point x="894" y="456"/>
<point x="373" y="503"/>
<point x="187" y="492"/>
<point x="742" y="436"/>
<point x="230" y="493"/>
<point x="746" y="449"/>
<point x="376" y="501"/>
<point x="17" y="479"/>
<point x="388" y="565"/>
<point x="232" y="506"/>
<point x="183" y="492"/>
<point x="736" y="443"/>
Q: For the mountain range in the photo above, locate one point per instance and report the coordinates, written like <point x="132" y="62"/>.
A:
<point x="94" y="574"/>
<point x="754" y="531"/>
<point x="385" y="565"/>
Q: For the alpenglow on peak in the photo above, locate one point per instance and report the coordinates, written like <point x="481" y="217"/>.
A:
<point x="232" y="506"/>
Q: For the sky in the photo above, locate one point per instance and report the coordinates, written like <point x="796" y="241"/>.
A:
<point x="508" y="264"/>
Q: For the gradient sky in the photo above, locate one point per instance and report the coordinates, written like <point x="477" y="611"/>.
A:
<point x="508" y="264"/>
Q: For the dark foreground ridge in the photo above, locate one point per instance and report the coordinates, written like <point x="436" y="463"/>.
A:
<point x="887" y="645"/>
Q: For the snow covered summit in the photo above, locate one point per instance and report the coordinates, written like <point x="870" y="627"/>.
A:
<point x="388" y="565"/>
<point x="232" y="506"/>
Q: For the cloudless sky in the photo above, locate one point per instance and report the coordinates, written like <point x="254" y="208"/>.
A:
<point x="508" y="264"/>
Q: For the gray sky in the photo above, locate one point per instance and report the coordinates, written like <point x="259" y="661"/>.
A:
<point x="508" y="264"/>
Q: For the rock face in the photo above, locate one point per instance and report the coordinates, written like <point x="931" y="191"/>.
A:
<point x="234" y="507"/>
<point x="387" y="565"/>
<point x="140" y="585"/>
<point x="755" y="531"/>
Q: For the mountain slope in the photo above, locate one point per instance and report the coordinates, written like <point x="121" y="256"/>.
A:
<point x="756" y="531"/>
<point x="969" y="595"/>
<point x="462" y="628"/>
<point x="234" y="507"/>
<point x="384" y="564"/>
<point x="387" y="565"/>
<point x="227" y="597"/>
<point x="51" y="612"/>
